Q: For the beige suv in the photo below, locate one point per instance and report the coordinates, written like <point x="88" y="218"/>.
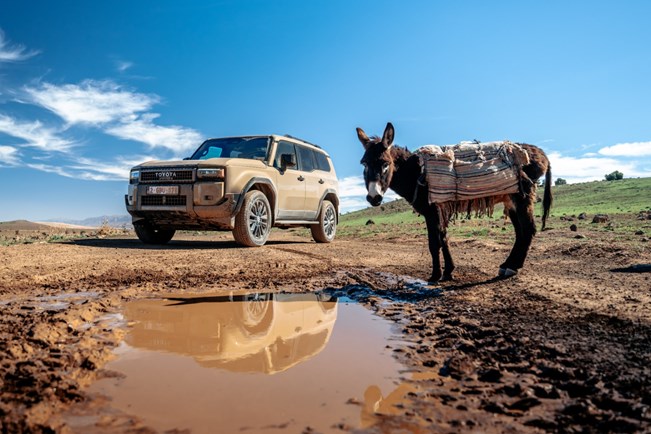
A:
<point x="242" y="184"/>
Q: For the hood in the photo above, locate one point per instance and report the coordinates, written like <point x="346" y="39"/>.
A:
<point x="211" y="162"/>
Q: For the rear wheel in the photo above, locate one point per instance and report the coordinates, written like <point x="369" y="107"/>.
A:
<point x="325" y="230"/>
<point x="253" y="222"/>
<point x="150" y="234"/>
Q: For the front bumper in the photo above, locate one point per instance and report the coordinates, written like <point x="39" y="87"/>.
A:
<point x="199" y="205"/>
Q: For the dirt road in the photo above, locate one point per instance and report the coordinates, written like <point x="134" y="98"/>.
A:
<point x="564" y="346"/>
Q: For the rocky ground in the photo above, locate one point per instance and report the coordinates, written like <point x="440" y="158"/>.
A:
<point x="565" y="346"/>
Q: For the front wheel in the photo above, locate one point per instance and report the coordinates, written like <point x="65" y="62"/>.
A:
<point x="253" y="222"/>
<point x="325" y="230"/>
<point x="150" y="234"/>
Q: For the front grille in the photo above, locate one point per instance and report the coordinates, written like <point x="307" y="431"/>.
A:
<point x="167" y="175"/>
<point x="163" y="200"/>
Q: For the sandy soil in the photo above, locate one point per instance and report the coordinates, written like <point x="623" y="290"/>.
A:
<point x="565" y="346"/>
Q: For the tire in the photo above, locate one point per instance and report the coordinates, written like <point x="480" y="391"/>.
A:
<point x="325" y="230"/>
<point x="253" y="222"/>
<point x="257" y="312"/>
<point x="150" y="234"/>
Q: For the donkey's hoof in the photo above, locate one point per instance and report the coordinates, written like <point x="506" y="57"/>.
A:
<point x="433" y="279"/>
<point x="446" y="278"/>
<point x="507" y="272"/>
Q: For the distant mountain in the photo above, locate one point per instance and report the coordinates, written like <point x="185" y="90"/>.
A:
<point x="115" y="221"/>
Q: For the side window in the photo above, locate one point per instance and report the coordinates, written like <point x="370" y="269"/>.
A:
<point x="283" y="148"/>
<point x="307" y="159"/>
<point x="322" y="161"/>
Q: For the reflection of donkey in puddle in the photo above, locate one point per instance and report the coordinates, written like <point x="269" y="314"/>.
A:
<point x="259" y="332"/>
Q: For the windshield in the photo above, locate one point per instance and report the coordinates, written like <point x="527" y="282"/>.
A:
<point x="254" y="148"/>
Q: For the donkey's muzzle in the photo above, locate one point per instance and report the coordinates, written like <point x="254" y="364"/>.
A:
<point x="374" y="200"/>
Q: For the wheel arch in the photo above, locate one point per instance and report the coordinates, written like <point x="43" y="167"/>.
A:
<point x="330" y="195"/>
<point x="267" y="188"/>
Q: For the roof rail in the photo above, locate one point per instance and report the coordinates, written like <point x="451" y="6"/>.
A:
<point x="302" y="140"/>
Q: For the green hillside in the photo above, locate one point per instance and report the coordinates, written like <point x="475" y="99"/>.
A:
<point x="607" y="197"/>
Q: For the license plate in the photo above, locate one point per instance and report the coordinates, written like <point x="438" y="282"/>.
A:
<point x="170" y="190"/>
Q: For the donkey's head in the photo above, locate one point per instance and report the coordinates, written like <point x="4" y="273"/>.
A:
<point x="378" y="163"/>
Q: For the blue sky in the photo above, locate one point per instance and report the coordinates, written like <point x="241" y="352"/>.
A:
<point x="88" y="89"/>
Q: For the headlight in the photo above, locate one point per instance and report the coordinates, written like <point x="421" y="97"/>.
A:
<point x="210" y="173"/>
<point x="134" y="176"/>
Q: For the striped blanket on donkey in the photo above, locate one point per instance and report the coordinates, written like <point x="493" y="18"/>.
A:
<point x="472" y="176"/>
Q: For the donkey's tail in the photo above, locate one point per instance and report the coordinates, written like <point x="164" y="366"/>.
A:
<point x="547" y="198"/>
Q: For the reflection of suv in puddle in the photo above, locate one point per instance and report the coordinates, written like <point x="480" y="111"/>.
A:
<point x="245" y="333"/>
<point x="242" y="184"/>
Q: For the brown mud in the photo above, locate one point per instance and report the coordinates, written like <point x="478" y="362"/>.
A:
<point x="565" y="346"/>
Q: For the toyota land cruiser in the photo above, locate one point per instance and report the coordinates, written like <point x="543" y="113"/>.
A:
<point x="242" y="184"/>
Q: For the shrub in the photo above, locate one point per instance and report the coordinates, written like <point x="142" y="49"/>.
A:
<point x="560" y="181"/>
<point x="614" y="176"/>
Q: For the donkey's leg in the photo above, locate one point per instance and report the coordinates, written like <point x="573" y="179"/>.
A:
<point x="448" y="263"/>
<point x="524" y="210"/>
<point x="434" y="241"/>
<point x="521" y="215"/>
<point x="508" y="269"/>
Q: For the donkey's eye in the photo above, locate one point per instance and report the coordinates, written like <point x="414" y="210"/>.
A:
<point x="385" y="167"/>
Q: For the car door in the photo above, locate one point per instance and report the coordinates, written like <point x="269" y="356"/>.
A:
<point x="290" y="183"/>
<point x="313" y="181"/>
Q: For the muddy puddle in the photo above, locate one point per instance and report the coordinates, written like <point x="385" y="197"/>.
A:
<point x="265" y="362"/>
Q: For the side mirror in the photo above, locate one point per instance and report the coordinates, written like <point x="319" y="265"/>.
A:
<point x="287" y="160"/>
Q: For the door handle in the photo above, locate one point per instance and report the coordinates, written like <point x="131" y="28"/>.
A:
<point x="300" y="178"/>
<point x="321" y="181"/>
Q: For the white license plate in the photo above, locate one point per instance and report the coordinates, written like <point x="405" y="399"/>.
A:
<point x="170" y="190"/>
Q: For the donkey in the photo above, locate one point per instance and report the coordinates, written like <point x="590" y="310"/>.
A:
<point x="387" y="166"/>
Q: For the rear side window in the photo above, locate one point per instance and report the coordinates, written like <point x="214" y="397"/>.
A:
<point x="306" y="157"/>
<point x="322" y="161"/>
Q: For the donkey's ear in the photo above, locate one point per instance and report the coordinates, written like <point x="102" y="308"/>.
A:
<point x="387" y="137"/>
<point x="361" y="135"/>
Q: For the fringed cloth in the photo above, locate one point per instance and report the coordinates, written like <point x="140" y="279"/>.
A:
<point x="470" y="177"/>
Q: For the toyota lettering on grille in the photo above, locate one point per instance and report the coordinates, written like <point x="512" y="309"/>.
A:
<point x="165" y="175"/>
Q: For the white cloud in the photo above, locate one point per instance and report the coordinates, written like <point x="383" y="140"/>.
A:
<point x="35" y="134"/>
<point x="633" y="149"/>
<point x="352" y="204"/>
<point x="175" y="138"/>
<point x="123" y="65"/>
<point x="91" y="102"/>
<point x="352" y="186"/>
<point x="15" y="53"/>
<point x="9" y="155"/>
<point x="118" y="112"/>
<point x="90" y="169"/>
<point x="352" y="194"/>
<point x="51" y="169"/>
<point x="118" y="170"/>
<point x="587" y="168"/>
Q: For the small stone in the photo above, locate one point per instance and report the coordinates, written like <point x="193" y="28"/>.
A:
<point x="574" y="228"/>
<point x="600" y="218"/>
<point x="640" y="232"/>
<point x="582" y="216"/>
<point x="369" y="222"/>
<point x="490" y="376"/>
<point x="580" y="237"/>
